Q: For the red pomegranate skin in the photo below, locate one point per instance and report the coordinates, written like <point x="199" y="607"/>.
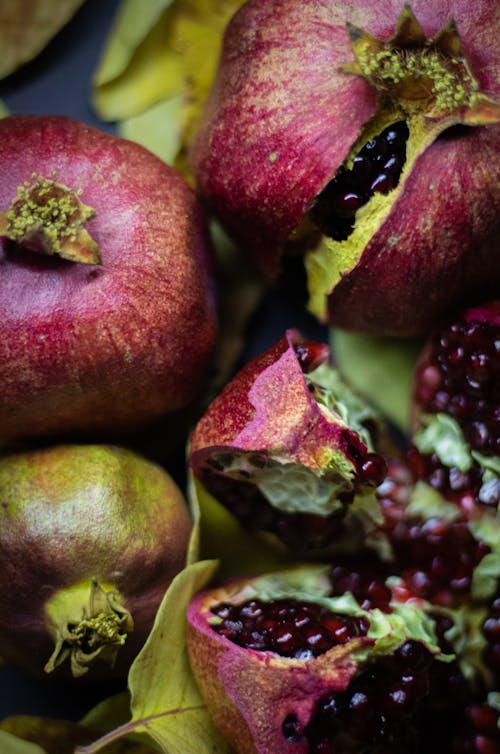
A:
<point x="247" y="691"/>
<point x="93" y="348"/>
<point x="268" y="408"/>
<point x="70" y="513"/>
<point x="282" y="118"/>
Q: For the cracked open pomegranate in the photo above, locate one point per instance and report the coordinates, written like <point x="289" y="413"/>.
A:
<point x="289" y="449"/>
<point x="107" y="316"/>
<point x="286" y="666"/>
<point x="90" y="538"/>
<point x="362" y="136"/>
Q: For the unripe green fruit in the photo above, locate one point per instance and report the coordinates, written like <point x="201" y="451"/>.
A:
<point x="90" y="538"/>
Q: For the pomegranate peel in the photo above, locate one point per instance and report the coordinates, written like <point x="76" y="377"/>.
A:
<point x="91" y="538"/>
<point x="80" y="342"/>
<point x="287" y="444"/>
<point x="389" y="252"/>
<point x="262" y="701"/>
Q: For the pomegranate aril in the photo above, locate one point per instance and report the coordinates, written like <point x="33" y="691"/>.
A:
<point x="274" y="627"/>
<point x="346" y="204"/>
<point x="339" y="201"/>
<point x="310" y="355"/>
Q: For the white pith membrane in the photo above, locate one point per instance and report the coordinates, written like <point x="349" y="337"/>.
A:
<point x="410" y="620"/>
<point x="294" y="488"/>
<point x="425" y="82"/>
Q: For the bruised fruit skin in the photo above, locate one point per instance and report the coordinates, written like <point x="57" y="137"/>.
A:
<point x="90" y="538"/>
<point x="303" y="89"/>
<point x="106" y="291"/>
<point x="288" y="448"/>
<point x="263" y="699"/>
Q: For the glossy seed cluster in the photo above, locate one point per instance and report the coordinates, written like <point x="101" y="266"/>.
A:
<point x="376" y="168"/>
<point x="288" y="627"/>
<point x="376" y="713"/>
<point x="480" y="731"/>
<point x="462" y="378"/>
<point x="365" y="580"/>
<point x="435" y="558"/>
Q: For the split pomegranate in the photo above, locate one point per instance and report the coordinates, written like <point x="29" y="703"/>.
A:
<point x="284" y="665"/>
<point x="287" y="447"/>
<point x="90" y="538"/>
<point x="107" y="316"/>
<point x="348" y="132"/>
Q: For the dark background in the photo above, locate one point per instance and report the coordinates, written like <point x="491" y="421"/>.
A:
<point x="58" y="81"/>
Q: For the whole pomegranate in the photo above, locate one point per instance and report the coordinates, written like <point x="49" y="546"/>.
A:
<point x="347" y="132"/>
<point x="285" y="666"/>
<point x="107" y="316"/>
<point x="90" y="538"/>
<point x="288" y="448"/>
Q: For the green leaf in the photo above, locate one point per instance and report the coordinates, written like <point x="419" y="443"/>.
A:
<point x="222" y="536"/>
<point x="380" y="368"/>
<point x="165" y="700"/>
<point x="442" y="435"/>
<point x="157" y="128"/>
<point x="109" y="713"/>
<point x="10" y="744"/>
<point x="3" y="110"/>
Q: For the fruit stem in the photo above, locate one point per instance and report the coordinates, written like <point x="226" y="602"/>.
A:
<point x="49" y="218"/>
<point x="87" y="621"/>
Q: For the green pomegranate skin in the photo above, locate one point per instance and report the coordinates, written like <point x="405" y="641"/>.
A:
<point x="73" y="513"/>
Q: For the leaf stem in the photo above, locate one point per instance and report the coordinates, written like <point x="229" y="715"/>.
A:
<point x="130" y="727"/>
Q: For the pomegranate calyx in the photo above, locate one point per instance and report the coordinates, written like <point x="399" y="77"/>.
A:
<point x="89" y="621"/>
<point x="48" y="218"/>
<point x="414" y="74"/>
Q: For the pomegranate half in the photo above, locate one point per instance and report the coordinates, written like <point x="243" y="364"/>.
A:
<point x="107" y="316"/>
<point x="352" y="133"/>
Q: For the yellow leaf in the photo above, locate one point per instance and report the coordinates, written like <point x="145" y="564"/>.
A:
<point x="156" y="52"/>
<point x="157" y="129"/>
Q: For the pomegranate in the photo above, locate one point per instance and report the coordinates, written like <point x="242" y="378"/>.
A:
<point x="285" y="666"/>
<point x="289" y="449"/>
<point x="106" y="296"/>
<point x="90" y="538"/>
<point x="347" y="132"/>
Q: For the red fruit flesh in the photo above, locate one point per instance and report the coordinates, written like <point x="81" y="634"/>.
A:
<point x="79" y="343"/>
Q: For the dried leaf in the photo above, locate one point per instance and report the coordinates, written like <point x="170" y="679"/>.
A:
<point x="26" y="27"/>
<point x="380" y="369"/>
<point x="166" y="703"/>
